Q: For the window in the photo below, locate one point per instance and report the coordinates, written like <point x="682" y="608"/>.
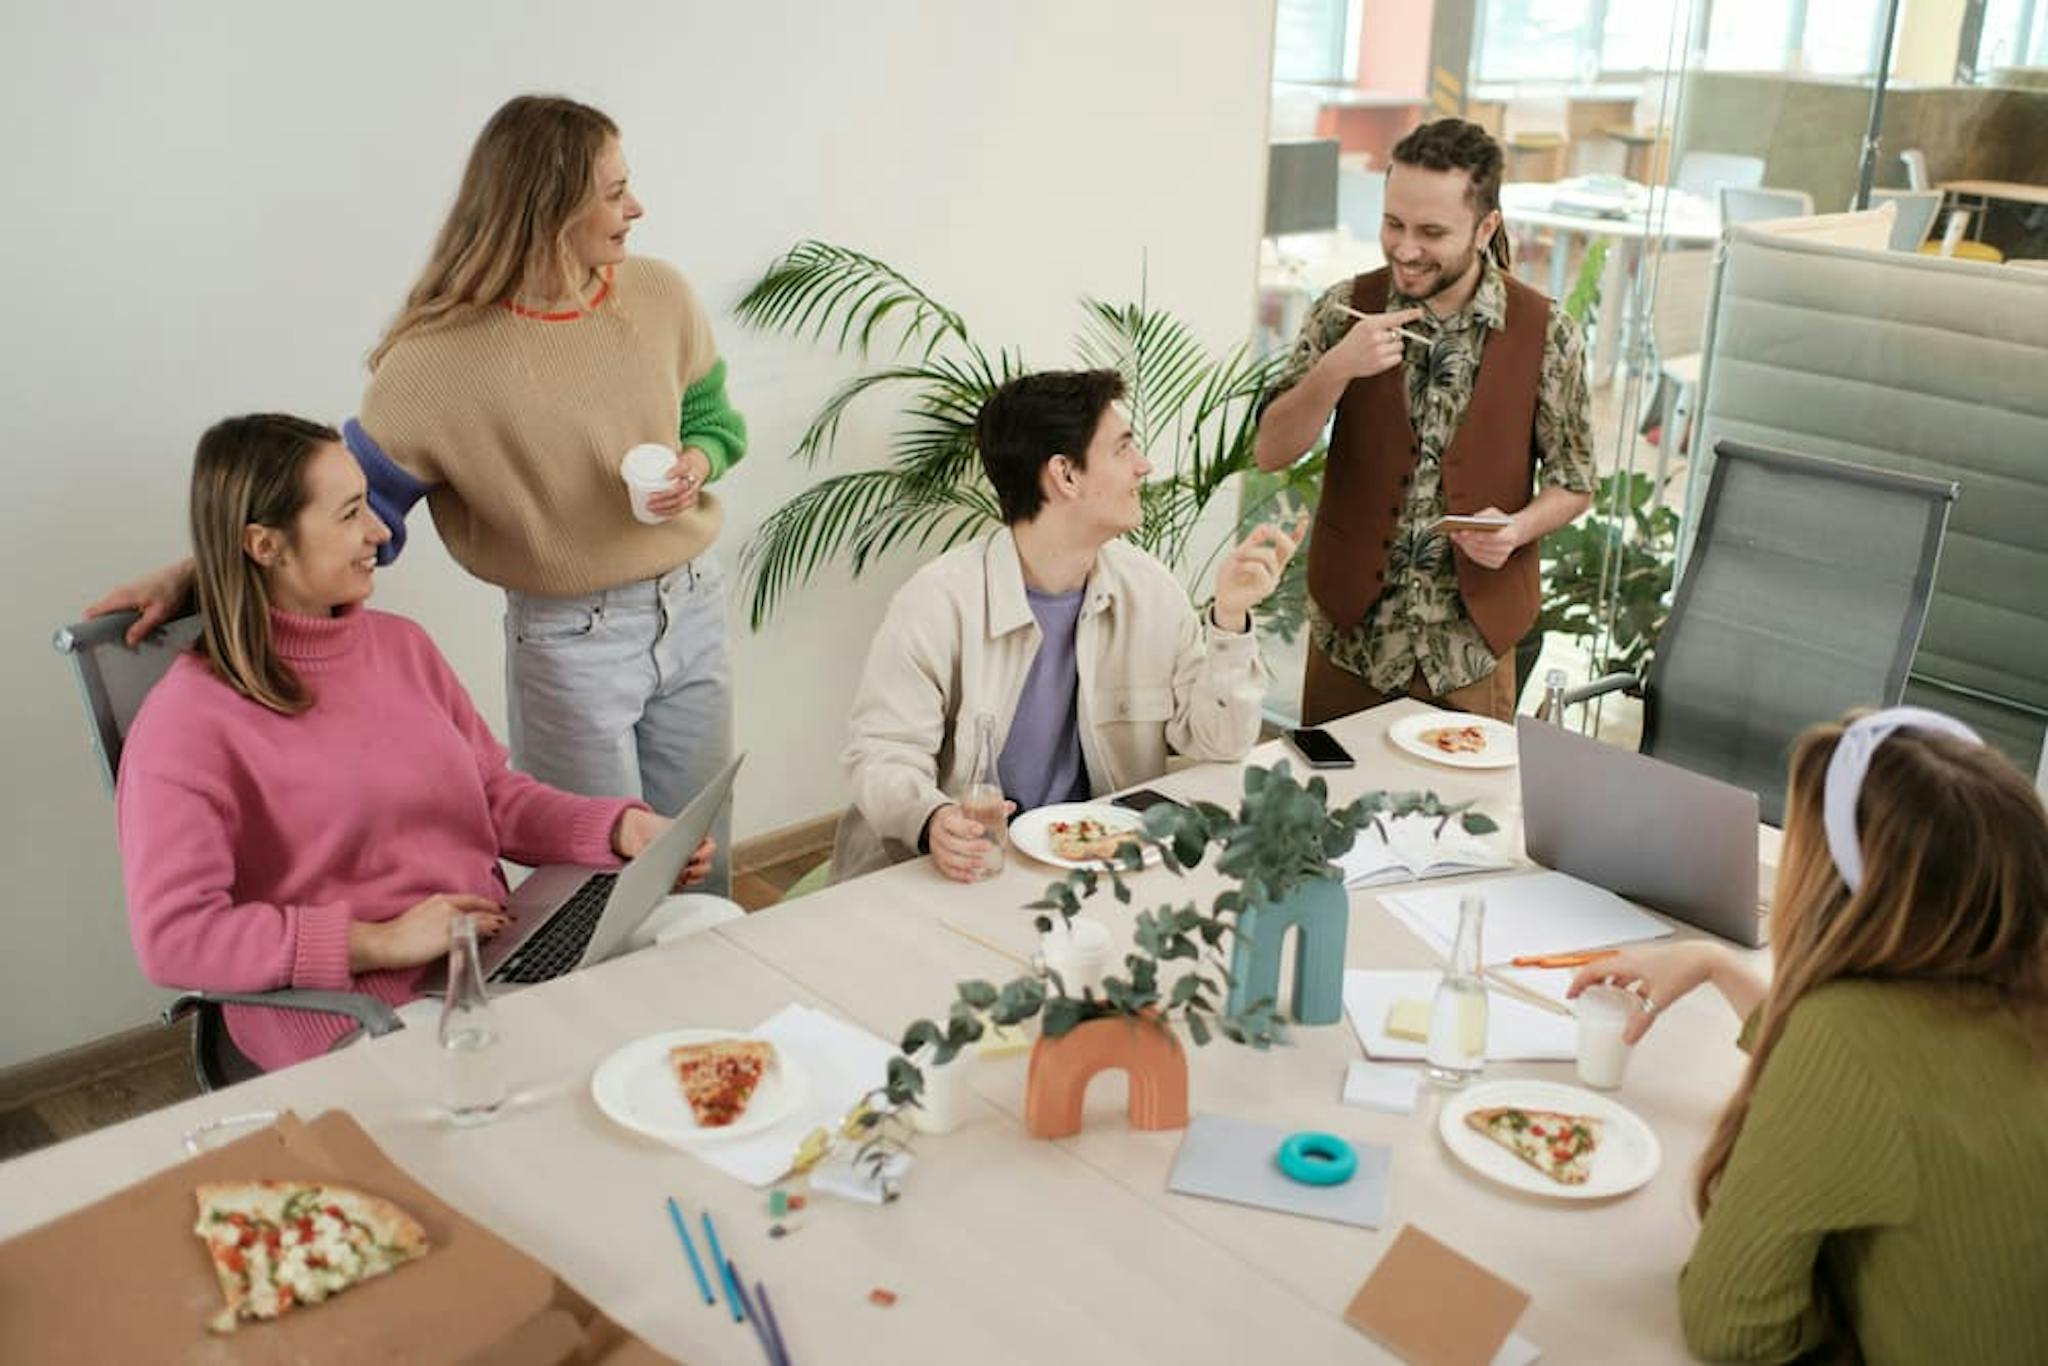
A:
<point x="1312" y="42"/>
<point x="1637" y="36"/>
<point x="2015" y="33"/>
<point x="1575" y="40"/>
<point x="1750" y="35"/>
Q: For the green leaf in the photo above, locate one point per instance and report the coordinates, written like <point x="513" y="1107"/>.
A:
<point x="978" y="994"/>
<point x="1198" y="1030"/>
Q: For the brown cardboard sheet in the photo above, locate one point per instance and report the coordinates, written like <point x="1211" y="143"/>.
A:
<point x="1433" y="1306"/>
<point x="126" y="1279"/>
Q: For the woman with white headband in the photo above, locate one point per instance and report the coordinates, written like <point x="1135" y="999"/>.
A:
<point x="1878" y="1185"/>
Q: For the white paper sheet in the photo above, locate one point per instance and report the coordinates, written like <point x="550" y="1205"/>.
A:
<point x="1536" y="913"/>
<point x="1515" y="1030"/>
<point x="843" y="1064"/>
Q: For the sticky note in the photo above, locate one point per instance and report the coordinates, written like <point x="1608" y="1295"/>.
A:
<point x="1409" y="1020"/>
<point x="999" y="1041"/>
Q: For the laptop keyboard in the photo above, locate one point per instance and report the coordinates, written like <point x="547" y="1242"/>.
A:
<point x="559" y="946"/>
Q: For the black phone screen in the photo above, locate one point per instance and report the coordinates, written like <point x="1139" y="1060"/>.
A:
<point x="1142" y="799"/>
<point x="1320" y="748"/>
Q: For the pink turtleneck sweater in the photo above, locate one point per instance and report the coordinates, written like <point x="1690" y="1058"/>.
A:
<point x="250" y="840"/>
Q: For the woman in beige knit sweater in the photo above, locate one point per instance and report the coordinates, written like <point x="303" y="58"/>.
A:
<point x="1877" y="1185"/>
<point x="529" y="357"/>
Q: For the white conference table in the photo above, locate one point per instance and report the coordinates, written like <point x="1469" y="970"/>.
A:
<point x="1003" y="1248"/>
<point x="1667" y="214"/>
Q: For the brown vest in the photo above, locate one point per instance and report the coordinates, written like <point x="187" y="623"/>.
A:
<point x="1491" y="461"/>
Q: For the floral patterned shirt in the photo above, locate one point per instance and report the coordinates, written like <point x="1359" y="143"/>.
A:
<point x="1420" y="621"/>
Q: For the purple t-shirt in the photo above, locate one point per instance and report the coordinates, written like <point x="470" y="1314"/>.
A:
<point x="1041" y="761"/>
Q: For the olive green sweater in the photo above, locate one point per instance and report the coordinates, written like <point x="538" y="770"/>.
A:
<point x="1895" y="1164"/>
<point x="513" y="424"/>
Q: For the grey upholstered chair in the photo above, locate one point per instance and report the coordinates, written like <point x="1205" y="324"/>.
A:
<point x="112" y="681"/>
<point x="1804" y="596"/>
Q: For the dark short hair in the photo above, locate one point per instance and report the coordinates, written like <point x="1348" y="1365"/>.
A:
<point x="1461" y="145"/>
<point x="1033" y="418"/>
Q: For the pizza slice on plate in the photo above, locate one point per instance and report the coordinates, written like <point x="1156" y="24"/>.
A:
<point x="1456" y="739"/>
<point x="1087" y="839"/>
<point x="279" y="1244"/>
<point x="1560" y="1146"/>
<point x="720" y="1077"/>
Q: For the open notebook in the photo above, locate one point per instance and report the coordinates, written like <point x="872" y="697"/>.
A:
<point x="1412" y="850"/>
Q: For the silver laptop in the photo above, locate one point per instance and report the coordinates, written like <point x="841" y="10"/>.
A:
<point x="563" y="917"/>
<point x="1650" y="831"/>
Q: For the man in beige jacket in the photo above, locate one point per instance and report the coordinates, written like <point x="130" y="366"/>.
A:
<point x="1083" y="648"/>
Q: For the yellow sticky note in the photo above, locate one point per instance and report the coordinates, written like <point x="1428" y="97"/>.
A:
<point x="1409" y="1020"/>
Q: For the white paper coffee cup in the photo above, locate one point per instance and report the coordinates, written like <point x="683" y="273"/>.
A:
<point x="1604" y="1013"/>
<point x="646" y="472"/>
<point x="942" y="1107"/>
<point x="1079" y="951"/>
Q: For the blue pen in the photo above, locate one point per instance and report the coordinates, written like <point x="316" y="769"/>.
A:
<point x="739" y="1283"/>
<point x="774" y="1328"/>
<point x="675" y="1214"/>
<point x="732" y="1295"/>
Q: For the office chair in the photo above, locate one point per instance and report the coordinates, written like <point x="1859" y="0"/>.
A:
<point x="1702" y="174"/>
<point x="112" y="681"/>
<point x="1805" y="594"/>
<point x="1916" y="211"/>
<point x="1756" y="204"/>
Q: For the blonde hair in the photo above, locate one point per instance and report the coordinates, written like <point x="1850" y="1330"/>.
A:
<point x="1955" y="890"/>
<point x="531" y="174"/>
<point x="248" y="470"/>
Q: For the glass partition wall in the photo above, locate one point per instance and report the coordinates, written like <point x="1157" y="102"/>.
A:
<point x="1634" y="133"/>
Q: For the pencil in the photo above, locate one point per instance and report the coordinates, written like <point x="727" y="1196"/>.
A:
<point x="774" y="1328"/>
<point x="1349" y="311"/>
<point x="1510" y="987"/>
<point x="732" y="1296"/>
<point x="675" y="1214"/>
<point x="739" y="1285"/>
<point x="1563" y="960"/>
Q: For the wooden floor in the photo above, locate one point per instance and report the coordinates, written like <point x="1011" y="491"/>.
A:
<point x="152" y="1068"/>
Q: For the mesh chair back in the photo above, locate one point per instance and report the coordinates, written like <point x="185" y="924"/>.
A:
<point x="1753" y="204"/>
<point x="113" y="679"/>
<point x="1804" y="597"/>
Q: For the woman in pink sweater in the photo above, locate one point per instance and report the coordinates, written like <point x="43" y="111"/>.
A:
<point x="309" y="798"/>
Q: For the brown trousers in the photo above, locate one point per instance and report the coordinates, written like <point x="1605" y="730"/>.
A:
<point x="1329" y="691"/>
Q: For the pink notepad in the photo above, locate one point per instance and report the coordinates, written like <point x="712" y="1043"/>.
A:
<point x="1435" y="1307"/>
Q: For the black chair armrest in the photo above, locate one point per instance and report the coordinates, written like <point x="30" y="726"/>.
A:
<point x="1600" y="687"/>
<point x="373" y="1015"/>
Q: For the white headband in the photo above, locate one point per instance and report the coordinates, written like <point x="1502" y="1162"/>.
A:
<point x="1852" y="760"/>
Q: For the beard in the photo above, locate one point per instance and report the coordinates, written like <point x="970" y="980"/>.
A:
<point x="1449" y="273"/>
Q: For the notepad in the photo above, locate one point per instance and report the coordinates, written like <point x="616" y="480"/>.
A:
<point x="1515" y="1030"/>
<point x="1433" y="1306"/>
<point x="1411" y="848"/>
<point x="1534" y="914"/>
<point x="1377" y="1086"/>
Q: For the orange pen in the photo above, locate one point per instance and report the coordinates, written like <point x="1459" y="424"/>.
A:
<point x="1563" y="960"/>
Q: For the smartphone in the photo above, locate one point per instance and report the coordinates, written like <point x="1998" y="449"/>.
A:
<point x="1320" y="748"/>
<point x="1143" y="799"/>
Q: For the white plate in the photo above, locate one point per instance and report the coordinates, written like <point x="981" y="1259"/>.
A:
<point x="637" y="1087"/>
<point x="1500" y="739"/>
<point x="1628" y="1154"/>
<point x="1031" y="833"/>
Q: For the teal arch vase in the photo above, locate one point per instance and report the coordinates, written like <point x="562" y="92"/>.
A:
<point x="1323" y="914"/>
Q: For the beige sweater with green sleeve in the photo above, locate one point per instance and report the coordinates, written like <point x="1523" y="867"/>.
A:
<point x="518" y="422"/>
<point x="1894" y="1162"/>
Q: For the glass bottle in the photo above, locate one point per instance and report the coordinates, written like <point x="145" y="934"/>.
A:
<point x="984" y="800"/>
<point x="1552" y="709"/>
<point x="473" y="1060"/>
<point x="1457" y="1017"/>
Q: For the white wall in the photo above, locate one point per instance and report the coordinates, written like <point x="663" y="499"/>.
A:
<point x="213" y="208"/>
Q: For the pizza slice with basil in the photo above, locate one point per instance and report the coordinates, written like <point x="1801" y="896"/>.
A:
<point x="720" y="1077"/>
<point x="1559" y="1145"/>
<point x="279" y="1244"/>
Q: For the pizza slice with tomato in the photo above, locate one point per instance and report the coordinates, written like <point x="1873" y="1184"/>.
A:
<point x="279" y="1244"/>
<point x="720" y="1077"/>
<point x="1559" y="1145"/>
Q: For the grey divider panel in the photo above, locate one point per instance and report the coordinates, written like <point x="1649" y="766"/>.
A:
<point x="1925" y="366"/>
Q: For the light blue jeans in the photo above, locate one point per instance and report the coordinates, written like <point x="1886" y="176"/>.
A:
<point x="626" y="693"/>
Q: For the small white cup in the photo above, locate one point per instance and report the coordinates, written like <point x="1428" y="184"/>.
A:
<point x="942" y="1107"/>
<point x="1079" y="951"/>
<point x="646" y="472"/>
<point x="1604" y="1012"/>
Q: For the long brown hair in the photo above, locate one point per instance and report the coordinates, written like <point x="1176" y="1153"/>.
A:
<point x="532" y="173"/>
<point x="248" y="470"/>
<point x="1955" y="889"/>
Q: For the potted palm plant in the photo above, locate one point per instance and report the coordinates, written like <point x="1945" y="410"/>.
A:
<point x="1279" y="848"/>
<point x="1192" y="410"/>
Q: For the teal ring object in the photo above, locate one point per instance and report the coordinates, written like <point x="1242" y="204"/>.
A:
<point x="1318" y="1159"/>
